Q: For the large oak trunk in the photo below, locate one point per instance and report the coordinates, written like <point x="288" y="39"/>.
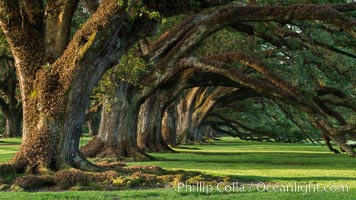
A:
<point x="128" y="109"/>
<point x="118" y="127"/>
<point x="52" y="129"/>
<point x="39" y="147"/>
<point x="73" y="120"/>
<point x="52" y="74"/>
<point x="149" y="137"/>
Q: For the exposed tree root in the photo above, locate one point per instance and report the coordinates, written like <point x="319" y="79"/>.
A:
<point x="98" y="148"/>
<point x="157" y="148"/>
<point x="8" y="168"/>
<point x="63" y="179"/>
<point x="93" y="148"/>
<point x="80" y="163"/>
<point x="124" y="152"/>
<point x="68" y="178"/>
<point x="34" y="182"/>
<point x="133" y="154"/>
<point x="124" y="177"/>
<point x="107" y="152"/>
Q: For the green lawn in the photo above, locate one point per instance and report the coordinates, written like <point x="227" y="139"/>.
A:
<point x="272" y="164"/>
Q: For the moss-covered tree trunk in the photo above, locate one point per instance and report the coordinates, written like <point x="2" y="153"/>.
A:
<point x="118" y="127"/>
<point x="52" y="71"/>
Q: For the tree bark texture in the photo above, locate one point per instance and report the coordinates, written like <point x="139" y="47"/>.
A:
<point x="118" y="127"/>
<point x="149" y="137"/>
<point x="169" y="125"/>
<point x="185" y="109"/>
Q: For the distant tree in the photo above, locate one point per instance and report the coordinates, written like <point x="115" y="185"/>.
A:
<point x="10" y="103"/>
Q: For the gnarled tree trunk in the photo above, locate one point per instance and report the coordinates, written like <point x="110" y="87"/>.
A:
<point x="118" y="127"/>
<point x="52" y="72"/>
<point x="149" y="137"/>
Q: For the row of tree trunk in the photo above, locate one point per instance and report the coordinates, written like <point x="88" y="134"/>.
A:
<point x="130" y="127"/>
<point x="57" y="73"/>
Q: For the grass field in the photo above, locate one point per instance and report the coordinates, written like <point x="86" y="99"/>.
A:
<point x="257" y="165"/>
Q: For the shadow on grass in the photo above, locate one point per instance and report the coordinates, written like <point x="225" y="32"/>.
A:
<point x="275" y="160"/>
<point x="292" y="179"/>
<point x="185" y="147"/>
<point x="9" y="143"/>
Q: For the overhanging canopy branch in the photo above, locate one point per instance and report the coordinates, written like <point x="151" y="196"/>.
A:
<point x="233" y="74"/>
<point x="258" y="66"/>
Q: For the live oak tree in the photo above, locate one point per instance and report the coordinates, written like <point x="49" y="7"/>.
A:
<point x="52" y="68"/>
<point x="315" y="111"/>
<point x="10" y="103"/>
<point x="250" y="126"/>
